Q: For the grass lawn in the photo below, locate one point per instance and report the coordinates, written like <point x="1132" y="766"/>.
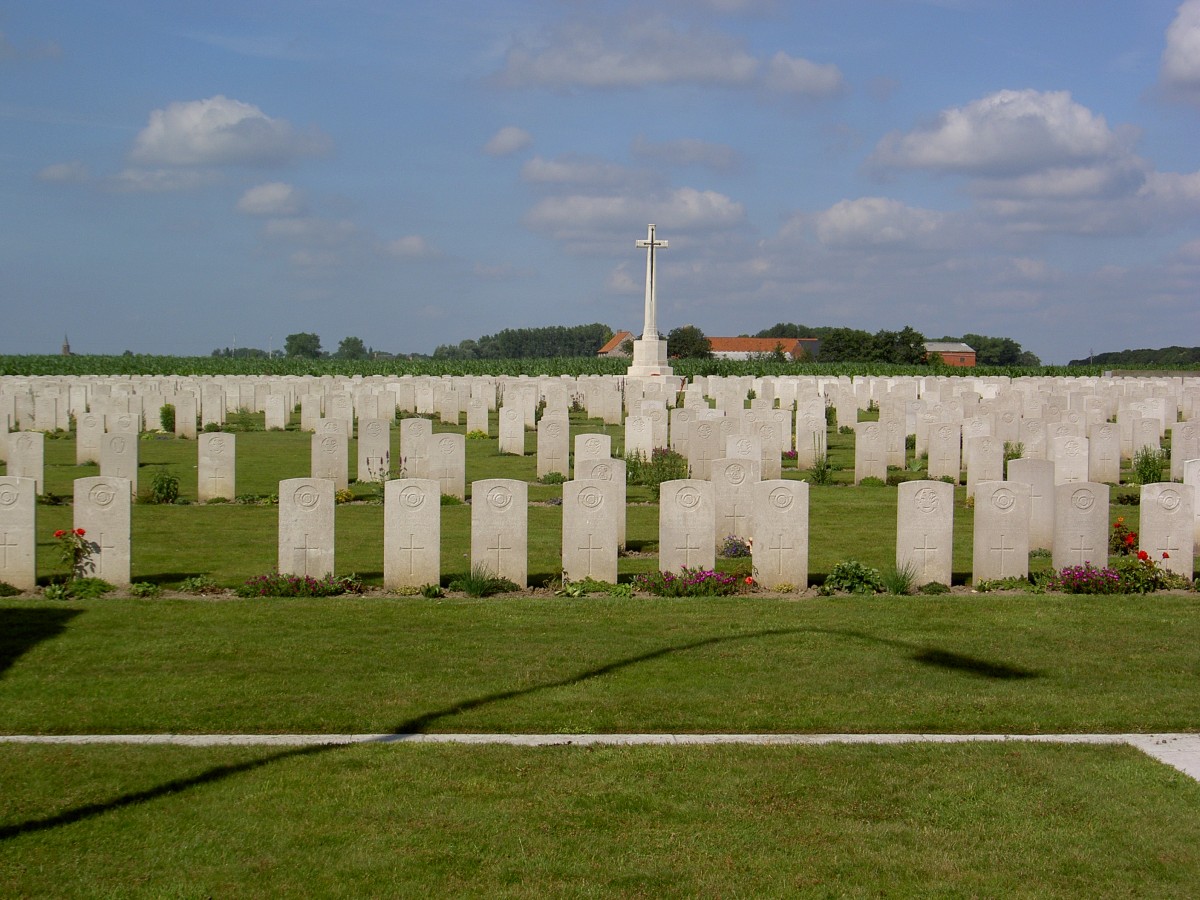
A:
<point x="996" y="820"/>
<point x="962" y="663"/>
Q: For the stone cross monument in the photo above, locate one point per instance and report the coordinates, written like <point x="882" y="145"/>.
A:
<point x="650" y="351"/>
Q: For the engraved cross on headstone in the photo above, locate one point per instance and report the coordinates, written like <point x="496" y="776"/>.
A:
<point x="305" y="550"/>
<point x="499" y="550"/>
<point x="412" y="545"/>
<point x="7" y="542"/>
<point x="687" y="549"/>
<point x="1003" y="549"/>
<point x="590" y="550"/>
<point x="777" y="547"/>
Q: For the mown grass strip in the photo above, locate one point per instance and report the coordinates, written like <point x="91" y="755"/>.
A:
<point x="983" y="663"/>
<point x="922" y="820"/>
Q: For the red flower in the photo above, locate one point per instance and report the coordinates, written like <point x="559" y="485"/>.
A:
<point x="80" y="532"/>
<point x="749" y="580"/>
<point x="1142" y="554"/>
<point x="1166" y="555"/>
<point x="1129" y="539"/>
<point x="59" y="533"/>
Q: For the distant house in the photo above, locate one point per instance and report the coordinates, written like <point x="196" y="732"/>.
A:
<point x="614" y="347"/>
<point x="953" y="353"/>
<point x="754" y="348"/>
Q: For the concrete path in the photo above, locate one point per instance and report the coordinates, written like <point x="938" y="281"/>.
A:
<point x="1182" y="751"/>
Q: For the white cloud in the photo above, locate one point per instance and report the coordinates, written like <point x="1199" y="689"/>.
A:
<point x="411" y="246"/>
<point x="687" y="152"/>
<point x="271" y="199"/>
<point x="635" y="53"/>
<point x="508" y="140"/>
<point x="73" y="172"/>
<point x="580" y="216"/>
<point x="792" y="75"/>
<point x="1179" y="74"/>
<point x="220" y="131"/>
<point x="577" y="170"/>
<point x="875" y="222"/>
<point x="1006" y="134"/>
<point x="160" y="181"/>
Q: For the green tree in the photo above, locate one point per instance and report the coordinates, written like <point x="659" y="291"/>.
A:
<point x="304" y="344"/>
<point x="688" y="342"/>
<point x="351" y="348"/>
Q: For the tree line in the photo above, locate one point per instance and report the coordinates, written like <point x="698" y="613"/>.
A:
<point x="531" y="343"/>
<point x="906" y="346"/>
<point x="1166" y="358"/>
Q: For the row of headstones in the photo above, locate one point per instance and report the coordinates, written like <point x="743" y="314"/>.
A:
<point x="593" y="528"/>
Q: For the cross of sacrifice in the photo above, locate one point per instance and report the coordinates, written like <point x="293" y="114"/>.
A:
<point x="650" y="330"/>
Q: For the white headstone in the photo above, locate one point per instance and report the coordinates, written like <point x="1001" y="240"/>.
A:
<point x="779" y="549"/>
<point x="500" y="528"/>
<point x="102" y="511"/>
<point x="18" y="532"/>
<point x="412" y="527"/>
<point x="306" y="527"/>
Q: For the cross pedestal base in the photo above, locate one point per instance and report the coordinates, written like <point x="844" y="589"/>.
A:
<point x="649" y="358"/>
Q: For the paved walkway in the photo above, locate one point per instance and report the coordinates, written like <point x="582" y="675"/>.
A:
<point x="1181" y="751"/>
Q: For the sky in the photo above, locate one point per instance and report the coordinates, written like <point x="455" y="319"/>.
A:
<point x="184" y="176"/>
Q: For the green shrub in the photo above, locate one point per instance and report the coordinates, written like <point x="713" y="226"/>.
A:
<point x="199" y="584"/>
<point x="934" y="587"/>
<point x="277" y="585"/>
<point x="451" y="500"/>
<point x="8" y="590"/>
<point x="872" y="481"/>
<point x="853" y="577"/>
<point x="145" y="589"/>
<point x="164" y="487"/>
<point x="78" y="589"/>
<point x="166" y="418"/>
<point x="432" y="591"/>
<point x="1142" y="575"/>
<point x="899" y="579"/>
<point x="477" y="435"/>
<point x="591" y="585"/>
<point x="1148" y="464"/>
<point x="663" y="465"/>
<point x="481" y="582"/>
<point x="552" y="478"/>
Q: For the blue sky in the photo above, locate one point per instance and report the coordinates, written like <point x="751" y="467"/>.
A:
<point x="182" y="176"/>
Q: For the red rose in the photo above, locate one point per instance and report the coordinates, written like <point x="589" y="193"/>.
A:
<point x="80" y="532"/>
<point x="1142" y="554"/>
<point x="59" y="533"/>
<point x="1166" y="555"/>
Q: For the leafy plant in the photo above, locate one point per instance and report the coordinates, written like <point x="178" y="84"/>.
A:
<point x="76" y="552"/>
<point x="450" y="500"/>
<point x="933" y="587"/>
<point x="734" y="547"/>
<point x="872" y="481"/>
<point x="8" y="590"/>
<point x="199" y="584"/>
<point x="278" y="585"/>
<point x="343" y="495"/>
<point x="1122" y="541"/>
<point x="591" y="585"/>
<point x="164" y="487"/>
<point x="476" y="435"/>
<point x="1148" y="464"/>
<point x="432" y="591"/>
<point x="145" y="589"/>
<point x="1086" y="579"/>
<point x="1141" y="574"/>
<point x="853" y="577"/>
<point x="166" y="417"/>
<point x="689" y="583"/>
<point x="1012" y="450"/>
<point x="552" y="478"/>
<point x="663" y="465"/>
<point x="482" y="582"/>
<point x="1011" y="583"/>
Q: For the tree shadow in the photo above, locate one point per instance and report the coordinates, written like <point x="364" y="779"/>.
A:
<point x="22" y="629"/>
<point x="422" y="723"/>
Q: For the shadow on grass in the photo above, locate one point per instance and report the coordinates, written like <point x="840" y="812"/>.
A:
<point x="421" y="724"/>
<point x="21" y="629"/>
